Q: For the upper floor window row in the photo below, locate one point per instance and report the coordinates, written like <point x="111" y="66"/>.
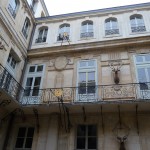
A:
<point x="111" y="28"/>
<point x="13" y="7"/>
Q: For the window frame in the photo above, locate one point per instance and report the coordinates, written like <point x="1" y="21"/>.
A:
<point x="89" y="33"/>
<point x="86" y="69"/>
<point x="13" y="11"/>
<point x="86" y="136"/>
<point x="26" y="30"/>
<point x="111" y="31"/>
<point x="137" y="28"/>
<point x="34" y="75"/>
<point x="24" y="138"/>
<point x="43" y="38"/>
<point x="60" y="34"/>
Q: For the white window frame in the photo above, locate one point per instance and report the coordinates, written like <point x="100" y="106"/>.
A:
<point x="145" y="64"/>
<point x="87" y="69"/>
<point x="12" y="10"/>
<point x="33" y="75"/>
<point x="44" y="31"/>
<point x="25" y="31"/>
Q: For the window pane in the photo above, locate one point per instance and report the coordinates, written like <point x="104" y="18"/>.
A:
<point x="92" y="131"/>
<point x="35" y="91"/>
<point x="139" y="58"/>
<point x="29" y="81"/>
<point x="19" y="143"/>
<point x="39" y="68"/>
<point x="142" y="75"/>
<point x="80" y="143"/>
<point x="91" y="76"/>
<point x="82" y="77"/>
<point x="91" y="63"/>
<point x="27" y="91"/>
<point x="82" y="88"/>
<point x="92" y="143"/>
<point x="147" y="57"/>
<point x="83" y="64"/>
<point x="37" y="81"/>
<point x="32" y="69"/>
<point x="91" y="88"/>
<point x="28" y="143"/>
<point x="21" y="132"/>
<point x="30" y="132"/>
<point x="81" y="130"/>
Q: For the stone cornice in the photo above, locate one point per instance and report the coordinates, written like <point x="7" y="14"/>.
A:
<point x="85" y="47"/>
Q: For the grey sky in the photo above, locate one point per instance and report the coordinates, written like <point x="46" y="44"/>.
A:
<point x="67" y="6"/>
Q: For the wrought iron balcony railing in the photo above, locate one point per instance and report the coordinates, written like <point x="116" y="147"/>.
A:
<point x="99" y="93"/>
<point x="40" y="40"/>
<point x="86" y="34"/>
<point x="140" y="28"/>
<point x="9" y="84"/>
<point x="111" y="31"/>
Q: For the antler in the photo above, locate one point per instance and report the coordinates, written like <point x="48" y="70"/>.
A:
<point x="111" y="66"/>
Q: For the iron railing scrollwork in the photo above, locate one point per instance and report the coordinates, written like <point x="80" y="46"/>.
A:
<point x="132" y="91"/>
<point x="87" y="34"/>
<point x="9" y="84"/>
<point x="138" y="28"/>
<point x="111" y="31"/>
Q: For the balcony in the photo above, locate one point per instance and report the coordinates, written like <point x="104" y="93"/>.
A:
<point x="9" y="85"/>
<point x="111" y="32"/>
<point x="98" y="94"/>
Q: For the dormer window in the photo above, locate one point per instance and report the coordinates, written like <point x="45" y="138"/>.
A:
<point x="42" y="35"/>
<point x="26" y="27"/>
<point x="87" y="29"/>
<point x="137" y="23"/>
<point x="64" y="32"/>
<point x="13" y="6"/>
<point x="111" y="26"/>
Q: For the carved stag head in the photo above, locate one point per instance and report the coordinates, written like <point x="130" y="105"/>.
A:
<point x="115" y="69"/>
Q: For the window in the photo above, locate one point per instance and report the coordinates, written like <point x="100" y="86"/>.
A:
<point x="87" y="80"/>
<point x="42" y="35"/>
<point x="87" y="29"/>
<point x="111" y="26"/>
<point x="26" y="27"/>
<point x="137" y="23"/>
<point x="143" y="73"/>
<point x="64" y="32"/>
<point x="24" y="138"/>
<point x="13" y="6"/>
<point x="86" y="137"/>
<point x="32" y="4"/>
<point x="33" y="82"/>
<point x="11" y="61"/>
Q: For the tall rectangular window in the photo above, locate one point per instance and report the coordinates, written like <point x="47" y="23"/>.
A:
<point x="87" y="80"/>
<point x="143" y="74"/>
<point x="24" y="138"/>
<point x="33" y="82"/>
<point x="86" y="137"/>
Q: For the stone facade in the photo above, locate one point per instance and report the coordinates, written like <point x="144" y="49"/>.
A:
<point x="66" y="85"/>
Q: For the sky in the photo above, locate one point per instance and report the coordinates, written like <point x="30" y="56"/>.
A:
<point x="56" y="7"/>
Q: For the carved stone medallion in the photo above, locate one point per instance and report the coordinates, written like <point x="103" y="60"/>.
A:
<point x="61" y="62"/>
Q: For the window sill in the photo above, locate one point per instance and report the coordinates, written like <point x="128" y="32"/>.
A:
<point x="57" y="42"/>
